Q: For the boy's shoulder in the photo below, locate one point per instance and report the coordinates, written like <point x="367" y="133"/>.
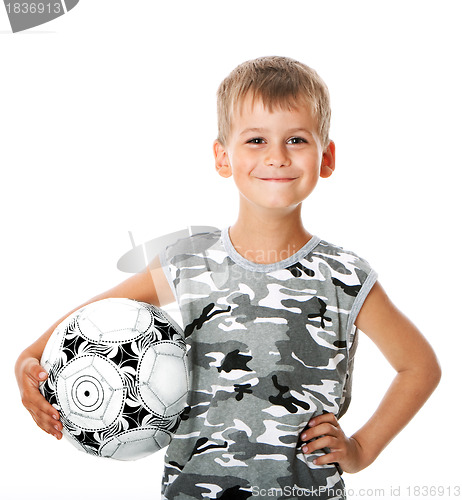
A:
<point x="194" y="244"/>
<point x="344" y="269"/>
<point x="340" y="258"/>
<point x="334" y="250"/>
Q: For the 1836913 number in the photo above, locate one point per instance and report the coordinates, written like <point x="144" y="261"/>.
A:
<point x="34" y="8"/>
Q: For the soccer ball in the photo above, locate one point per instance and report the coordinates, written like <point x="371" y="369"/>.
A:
<point x="118" y="375"/>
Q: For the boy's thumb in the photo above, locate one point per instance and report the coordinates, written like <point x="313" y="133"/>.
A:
<point x="38" y="372"/>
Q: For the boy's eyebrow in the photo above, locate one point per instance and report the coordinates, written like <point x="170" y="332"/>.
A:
<point x="247" y="130"/>
<point x="301" y="129"/>
<point x="262" y="130"/>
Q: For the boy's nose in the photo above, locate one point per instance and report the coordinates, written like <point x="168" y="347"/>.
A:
<point x="277" y="157"/>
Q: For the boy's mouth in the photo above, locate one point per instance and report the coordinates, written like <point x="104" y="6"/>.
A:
<point x="277" y="179"/>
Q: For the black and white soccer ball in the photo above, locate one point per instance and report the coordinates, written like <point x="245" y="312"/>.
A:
<point x="118" y="375"/>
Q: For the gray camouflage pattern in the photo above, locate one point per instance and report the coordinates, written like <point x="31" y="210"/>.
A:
<point x="270" y="347"/>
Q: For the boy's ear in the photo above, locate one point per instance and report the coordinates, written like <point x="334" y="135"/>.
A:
<point x="222" y="165"/>
<point x="328" y="160"/>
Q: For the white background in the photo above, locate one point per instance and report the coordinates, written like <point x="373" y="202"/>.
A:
<point x="107" y="117"/>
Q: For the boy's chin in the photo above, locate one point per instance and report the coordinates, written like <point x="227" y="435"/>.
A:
<point x="279" y="209"/>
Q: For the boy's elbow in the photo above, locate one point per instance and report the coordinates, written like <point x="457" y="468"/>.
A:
<point x="436" y="373"/>
<point x="426" y="373"/>
<point x="431" y="373"/>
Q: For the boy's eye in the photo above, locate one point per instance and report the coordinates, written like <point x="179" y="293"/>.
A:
<point x="296" y="140"/>
<point x="256" y="140"/>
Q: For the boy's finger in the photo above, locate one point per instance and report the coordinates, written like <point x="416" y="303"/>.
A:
<point x="41" y="413"/>
<point x="328" y="459"/>
<point x="325" y="417"/>
<point x="322" y="429"/>
<point x="35" y="402"/>
<point x="317" y="444"/>
<point x="48" y="424"/>
<point x="47" y="408"/>
<point x="38" y="372"/>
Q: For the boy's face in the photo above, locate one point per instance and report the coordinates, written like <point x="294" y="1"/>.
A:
<point x="275" y="158"/>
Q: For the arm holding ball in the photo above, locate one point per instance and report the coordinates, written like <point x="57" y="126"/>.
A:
<point x="148" y="286"/>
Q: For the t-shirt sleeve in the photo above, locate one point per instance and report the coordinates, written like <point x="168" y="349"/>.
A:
<point x="367" y="278"/>
<point x="181" y="258"/>
<point x="168" y="268"/>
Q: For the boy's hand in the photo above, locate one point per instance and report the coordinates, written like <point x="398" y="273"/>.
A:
<point x="45" y="416"/>
<point x="327" y="433"/>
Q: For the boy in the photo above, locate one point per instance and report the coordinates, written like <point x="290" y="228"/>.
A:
<point x="270" y="314"/>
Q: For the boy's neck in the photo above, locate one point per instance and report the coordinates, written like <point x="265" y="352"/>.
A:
<point x="266" y="239"/>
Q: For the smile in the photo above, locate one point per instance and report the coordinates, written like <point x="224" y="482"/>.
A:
<point x="272" y="179"/>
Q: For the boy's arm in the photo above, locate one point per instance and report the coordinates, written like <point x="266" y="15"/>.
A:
<point x="149" y="286"/>
<point x="418" y="373"/>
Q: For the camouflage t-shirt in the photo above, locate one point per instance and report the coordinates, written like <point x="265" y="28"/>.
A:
<point x="270" y="347"/>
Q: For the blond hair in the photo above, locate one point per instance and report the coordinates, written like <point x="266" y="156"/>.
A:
<point x="277" y="81"/>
